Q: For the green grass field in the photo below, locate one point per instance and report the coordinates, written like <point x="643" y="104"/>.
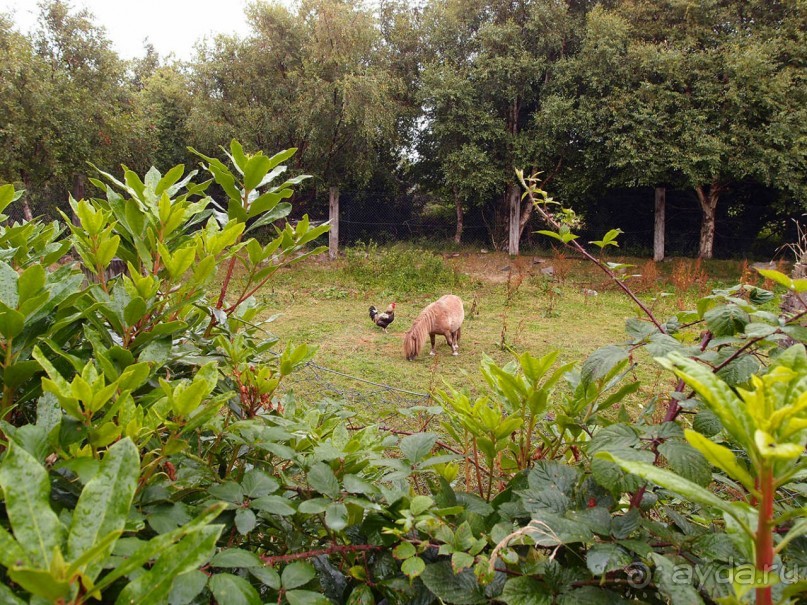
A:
<point x="510" y="305"/>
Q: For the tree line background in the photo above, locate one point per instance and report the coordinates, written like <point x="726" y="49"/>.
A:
<point x="418" y="114"/>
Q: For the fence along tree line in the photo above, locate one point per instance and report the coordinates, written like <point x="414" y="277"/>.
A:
<point x="449" y="98"/>
<point x="380" y="218"/>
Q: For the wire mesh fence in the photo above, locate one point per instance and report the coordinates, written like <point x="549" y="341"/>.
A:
<point x="744" y="226"/>
<point x="748" y="223"/>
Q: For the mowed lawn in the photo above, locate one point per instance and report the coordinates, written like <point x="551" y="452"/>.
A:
<point x="531" y="303"/>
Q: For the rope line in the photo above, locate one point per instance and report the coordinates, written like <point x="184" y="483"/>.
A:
<point x="384" y="387"/>
<point x="314" y="382"/>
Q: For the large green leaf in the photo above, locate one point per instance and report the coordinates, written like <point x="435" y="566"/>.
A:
<point x="257" y="167"/>
<point x="726" y="320"/>
<point x="158" y="545"/>
<point x="104" y="504"/>
<point x="336" y="517"/>
<point x="8" y="195"/>
<point x="717" y="395"/>
<point x="550" y="529"/>
<point x="322" y="479"/>
<point x="670" y="585"/>
<point x="306" y="597"/>
<point x="525" y="590"/>
<point x="233" y="590"/>
<point x="413" y="567"/>
<point x="777" y="276"/>
<point x="297" y="574"/>
<point x="187" y="587"/>
<point x="12" y="322"/>
<point x="686" y="461"/>
<point x="11" y="553"/>
<point x="41" y="583"/>
<point x="604" y="557"/>
<point x="739" y="371"/>
<point x="9" y="295"/>
<point x="679" y="485"/>
<point x="416" y="447"/>
<point x="31" y="281"/>
<point x="153" y="586"/>
<point x="245" y="520"/>
<point x="460" y="589"/>
<point x="706" y="422"/>
<point x="551" y="487"/>
<point x="276" y="213"/>
<point x="278" y="505"/>
<point x="26" y="487"/>
<point x="601" y="362"/>
<point x="721" y="457"/>
<point x="257" y="483"/>
<point x="236" y="557"/>
<point x="361" y="595"/>
<point x="282" y="156"/>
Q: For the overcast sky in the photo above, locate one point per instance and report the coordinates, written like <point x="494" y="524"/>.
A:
<point x="172" y="26"/>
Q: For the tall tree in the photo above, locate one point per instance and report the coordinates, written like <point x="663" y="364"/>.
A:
<point x="505" y="51"/>
<point x="25" y="93"/>
<point x="163" y="107"/>
<point x="91" y="103"/>
<point x="317" y="78"/>
<point x="347" y="105"/>
<point x="455" y="142"/>
<point x="689" y="95"/>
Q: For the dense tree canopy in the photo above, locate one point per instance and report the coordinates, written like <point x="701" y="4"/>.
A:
<point x="447" y="98"/>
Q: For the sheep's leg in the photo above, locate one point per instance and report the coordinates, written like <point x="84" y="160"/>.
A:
<point x="431" y="336"/>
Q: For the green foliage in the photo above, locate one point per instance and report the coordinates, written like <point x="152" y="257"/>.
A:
<point x="769" y="426"/>
<point x="57" y="563"/>
<point x="137" y="368"/>
<point x="399" y="269"/>
<point x="149" y="456"/>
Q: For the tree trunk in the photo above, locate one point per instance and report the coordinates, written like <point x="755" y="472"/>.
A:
<point x="658" y="229"/>
<point x="458" y="206"/>
<point x="513" y="198"/>
<point x="526" y="213"/>
<point x="514" y="204"/>
<point x="78" y="187"/>
<point x="333" y="215"/>
<point x="708" y="201"/>
<point x="26" y="207"/>
<point x="26" y="210"/>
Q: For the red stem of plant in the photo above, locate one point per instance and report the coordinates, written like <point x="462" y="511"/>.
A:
<point x="226" y="284"/>
<point x="336" y="549"/>
<point x="764" y="538"/>
<point x="220" y="302"/>
<point x="478" y="473"/>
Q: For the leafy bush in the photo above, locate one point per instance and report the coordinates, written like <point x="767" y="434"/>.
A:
<point x="399" y="269"/>
<point x="148" y="457"/>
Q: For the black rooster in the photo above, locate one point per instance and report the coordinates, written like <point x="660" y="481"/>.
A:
<point x="383" y="319"/>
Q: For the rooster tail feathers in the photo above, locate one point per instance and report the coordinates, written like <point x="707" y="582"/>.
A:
<point x="373" y="312"/>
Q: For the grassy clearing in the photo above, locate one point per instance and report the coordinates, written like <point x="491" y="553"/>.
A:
<point x="510" y="304"/>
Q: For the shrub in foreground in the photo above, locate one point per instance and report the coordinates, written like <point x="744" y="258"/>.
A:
<point x="149" y="458"/>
